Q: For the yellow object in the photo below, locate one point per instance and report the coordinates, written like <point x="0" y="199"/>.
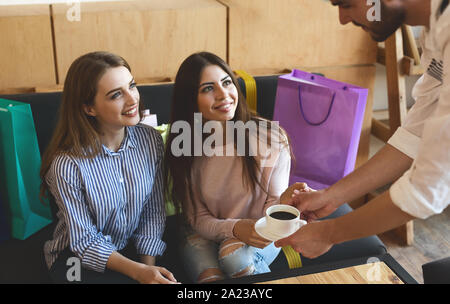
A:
<point x="293" y="257"/>
<point x="250" y="89"/>
<point x="164" y="130"/>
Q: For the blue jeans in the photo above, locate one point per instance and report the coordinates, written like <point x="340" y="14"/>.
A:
<point x="200" y="254"/>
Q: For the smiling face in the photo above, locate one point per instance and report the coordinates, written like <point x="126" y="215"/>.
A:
<point x="392" y="16"/>
<point x="116" y="103"/>
<point x="217" y="94"/>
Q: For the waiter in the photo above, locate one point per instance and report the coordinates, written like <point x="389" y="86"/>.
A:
<point x="416" y="158"/>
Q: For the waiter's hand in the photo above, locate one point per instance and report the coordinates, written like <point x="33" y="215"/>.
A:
<point x="311" y="240"/>
<point x="312" y="204"/>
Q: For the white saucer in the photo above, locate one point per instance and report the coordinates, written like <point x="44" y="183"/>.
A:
<point x="262" y="229"/>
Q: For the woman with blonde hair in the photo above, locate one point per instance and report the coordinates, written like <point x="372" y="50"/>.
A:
<point x="104" y="172"/>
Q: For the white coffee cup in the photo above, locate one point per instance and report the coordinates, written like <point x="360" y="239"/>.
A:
<point x="280" y="226"/>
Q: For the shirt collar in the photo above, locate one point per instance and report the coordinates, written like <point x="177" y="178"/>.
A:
<point x="129" y="141"/>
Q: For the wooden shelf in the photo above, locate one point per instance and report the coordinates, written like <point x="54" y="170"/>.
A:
<point x="153" y="36"/>
<point x="26" y="48"/>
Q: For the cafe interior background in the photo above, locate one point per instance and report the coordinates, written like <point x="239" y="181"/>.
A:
<point x="41" y="38"/>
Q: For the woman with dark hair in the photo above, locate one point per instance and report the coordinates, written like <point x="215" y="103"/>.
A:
<point x="222" y="194"/>
<point x="105" y="174"/>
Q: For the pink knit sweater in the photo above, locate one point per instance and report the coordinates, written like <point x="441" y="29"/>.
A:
<point x="221" y="198"/>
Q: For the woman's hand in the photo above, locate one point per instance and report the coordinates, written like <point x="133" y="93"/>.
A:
<point x="244" y="230"/>
<point x="312" y="204"/>
<point x="146" y="274"/>
<point x="292" y="191"/>
<point x="154" y="275"/>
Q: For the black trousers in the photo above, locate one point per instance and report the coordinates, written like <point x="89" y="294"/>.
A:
<point x="61" y="273"/>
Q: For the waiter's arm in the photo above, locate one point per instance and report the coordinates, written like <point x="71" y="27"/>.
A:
<point x="384" y="167"/>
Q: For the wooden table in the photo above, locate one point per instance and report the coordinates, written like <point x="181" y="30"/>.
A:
<point x="382" y="269"/>
<point x="373" y="273"/>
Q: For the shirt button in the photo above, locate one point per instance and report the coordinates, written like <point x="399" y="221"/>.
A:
<point x="121" y="180"/>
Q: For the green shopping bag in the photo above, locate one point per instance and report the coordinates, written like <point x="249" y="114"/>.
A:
<point x="20" y="162"/>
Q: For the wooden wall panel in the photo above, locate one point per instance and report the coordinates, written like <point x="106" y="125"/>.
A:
<point x="26" y="51"/>
<point x="153" y="36"/>
<point x="274" y="35"/>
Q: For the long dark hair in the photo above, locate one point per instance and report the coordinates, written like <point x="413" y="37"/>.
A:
<point x="77" y="133"/>
<point x="178" y="179"/>
<point x="443" y="6"/>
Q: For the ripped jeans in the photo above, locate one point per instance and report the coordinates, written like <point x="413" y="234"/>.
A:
<point x="200" y="254"/>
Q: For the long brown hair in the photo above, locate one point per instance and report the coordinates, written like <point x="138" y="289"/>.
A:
<point x="76" y="133"/>
<point x="178" y="183"/>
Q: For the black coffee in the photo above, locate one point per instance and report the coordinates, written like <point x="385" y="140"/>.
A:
<point x="283" y="215"/>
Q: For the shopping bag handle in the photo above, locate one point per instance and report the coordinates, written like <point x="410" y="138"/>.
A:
<point x="303" y="113"/>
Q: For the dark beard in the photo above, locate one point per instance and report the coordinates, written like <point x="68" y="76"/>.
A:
<point x="391" y="20"/>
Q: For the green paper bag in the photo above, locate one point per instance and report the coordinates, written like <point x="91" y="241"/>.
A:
<point x="20" y="163"/>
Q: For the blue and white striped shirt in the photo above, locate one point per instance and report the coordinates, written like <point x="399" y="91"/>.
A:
<point x="106" y="201"/>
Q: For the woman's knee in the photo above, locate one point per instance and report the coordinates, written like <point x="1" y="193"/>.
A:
<point x="235" y="259"/>
<point x="229" y="246"/>
<point x="210" y="275"/>
<point x="249" y="270"/>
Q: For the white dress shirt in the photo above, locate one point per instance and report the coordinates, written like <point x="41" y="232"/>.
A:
<point x="424" y="189"/>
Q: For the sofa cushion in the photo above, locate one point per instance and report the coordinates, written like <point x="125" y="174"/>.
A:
<point x="158" y="98"/>
<point x="23" y="261"/>
<point x="266" y="91"/>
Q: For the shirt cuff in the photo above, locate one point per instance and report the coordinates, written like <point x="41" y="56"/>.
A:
<point x="405" y="196"/>
<point x="96" y="256"/>
<point x="406" y="142"/>
<point x="228" y="227"/>
<point x="149" y="246"/>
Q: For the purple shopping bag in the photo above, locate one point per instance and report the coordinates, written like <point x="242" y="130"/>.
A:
<point x="323" y="118"/>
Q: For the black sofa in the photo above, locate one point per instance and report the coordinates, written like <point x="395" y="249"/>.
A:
<point x="23" y="261"/>
<point x="437" y="272"/>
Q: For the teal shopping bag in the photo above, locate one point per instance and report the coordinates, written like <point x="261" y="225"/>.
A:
<point x="20" y="162"/>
